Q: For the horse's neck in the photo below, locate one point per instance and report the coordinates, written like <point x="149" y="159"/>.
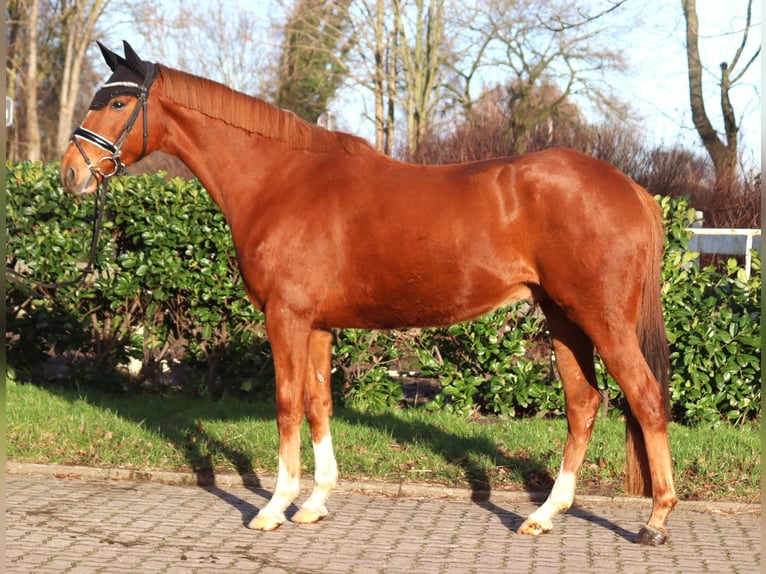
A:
<point x="228" y="162"/>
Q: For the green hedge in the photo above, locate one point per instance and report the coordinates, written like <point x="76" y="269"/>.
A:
<point x="168" y="295"/>
<point x="167" y="288"/>
<point x="713" y="318"/>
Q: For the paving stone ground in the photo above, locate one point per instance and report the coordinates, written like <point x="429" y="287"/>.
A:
<point x="78" y="525"/>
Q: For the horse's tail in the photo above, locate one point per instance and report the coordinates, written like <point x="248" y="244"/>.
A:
<point x="654" y="346"/>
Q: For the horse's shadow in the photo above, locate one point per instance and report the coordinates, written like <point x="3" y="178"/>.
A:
<point x="588" y="516"/>
<point x="206" y="477"/>
<point x="513" y="521"/>
<point x="458" y="450"/>
<point x="461" y="451"/>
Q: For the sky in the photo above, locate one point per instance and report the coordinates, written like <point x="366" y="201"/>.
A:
<point x="657" y="79"/>
<point x="652" y="39"/>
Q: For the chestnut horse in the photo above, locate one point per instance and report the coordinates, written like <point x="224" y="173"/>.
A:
<point x="329" y="233"/>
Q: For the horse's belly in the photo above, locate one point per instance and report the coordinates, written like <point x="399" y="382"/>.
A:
<point x="419" y="308"/>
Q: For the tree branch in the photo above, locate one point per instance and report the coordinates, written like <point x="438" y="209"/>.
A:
<point x="561" y="25"/>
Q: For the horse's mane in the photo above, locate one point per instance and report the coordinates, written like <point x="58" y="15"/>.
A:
<point x="254" y="115"/>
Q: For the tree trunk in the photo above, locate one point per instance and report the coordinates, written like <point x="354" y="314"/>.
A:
<point x="80" y="33"/>
<point x="378" y="81"/>
<point x="390" y="115"/>
<point x="12" y="68"/>
<point x="384" y="50"/>
<point x="723" y="155"/>
<point x="32" y="119"/>
<point x="423" y="58"/>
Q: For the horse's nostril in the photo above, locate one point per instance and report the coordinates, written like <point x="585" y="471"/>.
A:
<point x="70" y="178"/>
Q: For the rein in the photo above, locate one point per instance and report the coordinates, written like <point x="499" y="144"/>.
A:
<point x="115" y="149"/>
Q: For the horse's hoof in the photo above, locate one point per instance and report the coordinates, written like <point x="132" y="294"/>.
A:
<point x="265" y="522"/>
<point x="533" y="528"/>
<point x="308" y="516"/>
<point x="651" y="536"/>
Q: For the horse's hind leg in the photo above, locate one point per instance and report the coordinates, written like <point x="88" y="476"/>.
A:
<point x="625" y="362"/>
<point x="318" y="411"/>
<point x="574" y="359"/>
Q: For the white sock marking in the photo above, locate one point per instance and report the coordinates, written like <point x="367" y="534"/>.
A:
<point x="559" y="500"/>
<point x="325" y="475"/>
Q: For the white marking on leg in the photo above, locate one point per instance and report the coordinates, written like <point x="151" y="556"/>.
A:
<point x="559" y="500"/>
<point x="286" y="490"/>
<point x="325" y="475"/>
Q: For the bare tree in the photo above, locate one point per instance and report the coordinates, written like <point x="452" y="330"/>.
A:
<point x="27" y="16"/>
<point x="79" y="19"/>
<point x="312" y="64"/>
<point x="385" y="82"/>
<point x="373" y="65"/>
<point x="539" y="45"/>
<point x="424" y="51"/>
<point x="45" y="68"/>
<point x="401" y="54"/>
<point x="15" y="27"/>
<point x="221" y="40"/>
<point x="430" y="60"/>
<point x="723" y="149"/>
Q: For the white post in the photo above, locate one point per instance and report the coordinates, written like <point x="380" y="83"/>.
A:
<point x="748" y="257"/>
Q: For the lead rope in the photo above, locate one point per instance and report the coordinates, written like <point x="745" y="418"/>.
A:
<point x="26" y="281"/>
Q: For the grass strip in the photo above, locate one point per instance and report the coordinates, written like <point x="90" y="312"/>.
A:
<point x="63" y="426"/>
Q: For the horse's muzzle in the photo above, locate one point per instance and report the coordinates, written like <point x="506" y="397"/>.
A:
<point x="77" y="181"/>
<point x="69" y="178"/>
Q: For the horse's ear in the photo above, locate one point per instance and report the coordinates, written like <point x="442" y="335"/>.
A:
<point x="134" y="62"/>
<point x="112" y="60"/>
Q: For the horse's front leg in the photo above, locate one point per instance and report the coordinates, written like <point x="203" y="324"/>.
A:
<point x="290" y="349"/>
<point x="318" y="410"/>
<point x="574" y="359"/>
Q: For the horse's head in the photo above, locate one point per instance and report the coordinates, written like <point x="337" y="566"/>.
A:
<point x="115" y="132"/>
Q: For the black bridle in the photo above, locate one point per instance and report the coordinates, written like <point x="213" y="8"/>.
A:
<point x="141" y="91"/>
<point x="115" y="147"/>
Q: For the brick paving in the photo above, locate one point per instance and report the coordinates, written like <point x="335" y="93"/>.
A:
<point x="84" y="525"/>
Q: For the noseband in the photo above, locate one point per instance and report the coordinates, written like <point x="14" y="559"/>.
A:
<point x="115" y="147"/>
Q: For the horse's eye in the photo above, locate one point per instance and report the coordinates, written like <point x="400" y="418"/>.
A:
<point x="118" y="104"/>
